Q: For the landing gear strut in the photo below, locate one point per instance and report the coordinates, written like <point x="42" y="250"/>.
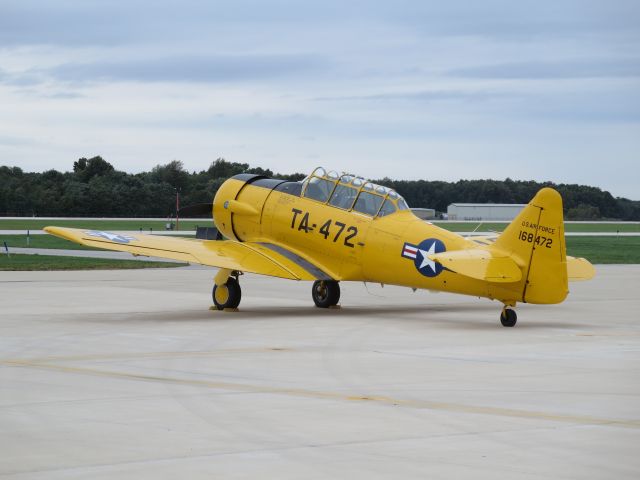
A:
<point x="325" y="293"/>
<point x="226" y="293"/>
<point x="508" y="317"/>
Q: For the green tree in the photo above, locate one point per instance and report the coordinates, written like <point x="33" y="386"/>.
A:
<point x="172" y="173"/>
<point x="87" y="169"/>
<point x="220" y="168"/>
<point x="96" y="188"/>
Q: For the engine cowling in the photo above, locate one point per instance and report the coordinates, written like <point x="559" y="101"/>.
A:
<point x="226" y="206"/>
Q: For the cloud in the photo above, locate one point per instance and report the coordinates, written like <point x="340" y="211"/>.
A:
<point x="472" y="87"/>
<point x="63" y="22"/>
<point x="21" y="79"/>
<point x="420" y="96"/>
<point x="214" y="68"/>
<point x="65" y="95"/>
<point x="101" y="22"/>
<point x="173" y="69"/>
<point x="12" y="141"/>
<point x="569" y="68"/>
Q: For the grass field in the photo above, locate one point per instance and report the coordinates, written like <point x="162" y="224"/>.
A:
<point x="50" y="262"/>
<point x="622" y="227"/>
<point x="106" y="224"/>
<point x="605" y="249"/>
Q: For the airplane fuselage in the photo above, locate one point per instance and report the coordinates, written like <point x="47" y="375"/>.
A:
<point x="348" y="245"/>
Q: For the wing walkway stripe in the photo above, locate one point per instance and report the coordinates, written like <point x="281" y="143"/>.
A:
<point x="298" y="260"/>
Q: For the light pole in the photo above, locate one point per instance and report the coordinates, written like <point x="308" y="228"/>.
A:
<point x="177" y="208"/>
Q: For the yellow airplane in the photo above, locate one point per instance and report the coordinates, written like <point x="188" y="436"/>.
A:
<point x="330" y="228"/>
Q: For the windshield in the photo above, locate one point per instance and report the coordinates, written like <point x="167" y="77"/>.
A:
<point x="349" y="192"/>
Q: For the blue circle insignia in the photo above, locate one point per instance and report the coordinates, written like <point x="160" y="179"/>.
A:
<point x="423" y="264"/>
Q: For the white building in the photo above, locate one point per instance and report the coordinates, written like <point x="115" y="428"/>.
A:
<point x="483" y="211"/>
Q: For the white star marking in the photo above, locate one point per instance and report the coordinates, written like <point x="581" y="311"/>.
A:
<point x="114" y="237"/>
<point x="425" y="257"/>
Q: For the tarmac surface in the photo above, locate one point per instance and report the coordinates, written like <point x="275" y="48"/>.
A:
<point x="127" y="374"/>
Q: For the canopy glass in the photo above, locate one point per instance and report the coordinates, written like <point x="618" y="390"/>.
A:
<point x="349" y="192"/>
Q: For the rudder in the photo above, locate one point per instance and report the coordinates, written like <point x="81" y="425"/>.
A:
<point x="535" y="240"/>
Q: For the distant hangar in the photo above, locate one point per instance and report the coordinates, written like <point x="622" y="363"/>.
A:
<point x="484" y="211"/>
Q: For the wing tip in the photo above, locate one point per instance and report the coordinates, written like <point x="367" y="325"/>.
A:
<point x="60" y="232"/>
<point x="51" y="230"/>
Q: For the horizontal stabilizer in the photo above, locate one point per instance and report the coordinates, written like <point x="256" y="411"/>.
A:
<point x="579" y="269"/>
<point x="480" y="264"/>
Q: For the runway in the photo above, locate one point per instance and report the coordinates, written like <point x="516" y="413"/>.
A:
<point x="127" y="374"/>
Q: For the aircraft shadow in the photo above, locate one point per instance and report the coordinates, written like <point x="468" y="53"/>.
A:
<point x="480" y="317"/>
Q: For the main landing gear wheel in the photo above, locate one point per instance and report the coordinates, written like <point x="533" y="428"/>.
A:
<point x="227" y="295"/>
<point x="325" y="293"/>
<point x="508" y="317"/>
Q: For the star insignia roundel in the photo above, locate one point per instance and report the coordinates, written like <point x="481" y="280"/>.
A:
<point x="420" y="256"/>
<point x="113" y="237"/>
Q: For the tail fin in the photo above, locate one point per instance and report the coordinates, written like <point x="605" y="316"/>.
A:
<point x="535" y="240"/>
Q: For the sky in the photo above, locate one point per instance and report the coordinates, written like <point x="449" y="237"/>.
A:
<point x="407" y="89"/>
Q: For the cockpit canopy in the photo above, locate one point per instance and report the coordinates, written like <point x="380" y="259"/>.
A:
<point x="349" y="192"/>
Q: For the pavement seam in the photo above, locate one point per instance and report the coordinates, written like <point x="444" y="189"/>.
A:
<point x="297" y="392"/>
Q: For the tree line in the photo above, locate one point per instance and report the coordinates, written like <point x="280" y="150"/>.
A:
<point x="96" y="188"/>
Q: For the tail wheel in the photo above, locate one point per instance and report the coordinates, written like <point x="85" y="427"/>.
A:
<point x="325" y="293"/>
<point x="227" y="295"/>
<point x="508" y="317"/>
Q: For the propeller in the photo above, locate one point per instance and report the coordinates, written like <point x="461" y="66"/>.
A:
<point x="196" y="210"/>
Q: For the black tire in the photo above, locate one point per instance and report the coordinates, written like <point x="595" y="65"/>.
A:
<point x="325" y="293"/>
<point x="508" y="317"/>
<point x="227" y="295"/>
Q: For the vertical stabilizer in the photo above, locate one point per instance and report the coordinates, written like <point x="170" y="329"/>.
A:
<point x="535" y="240"/>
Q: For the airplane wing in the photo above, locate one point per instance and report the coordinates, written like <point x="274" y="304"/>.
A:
<point x="480" y="264"/>
<point x="246" y="257"/>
